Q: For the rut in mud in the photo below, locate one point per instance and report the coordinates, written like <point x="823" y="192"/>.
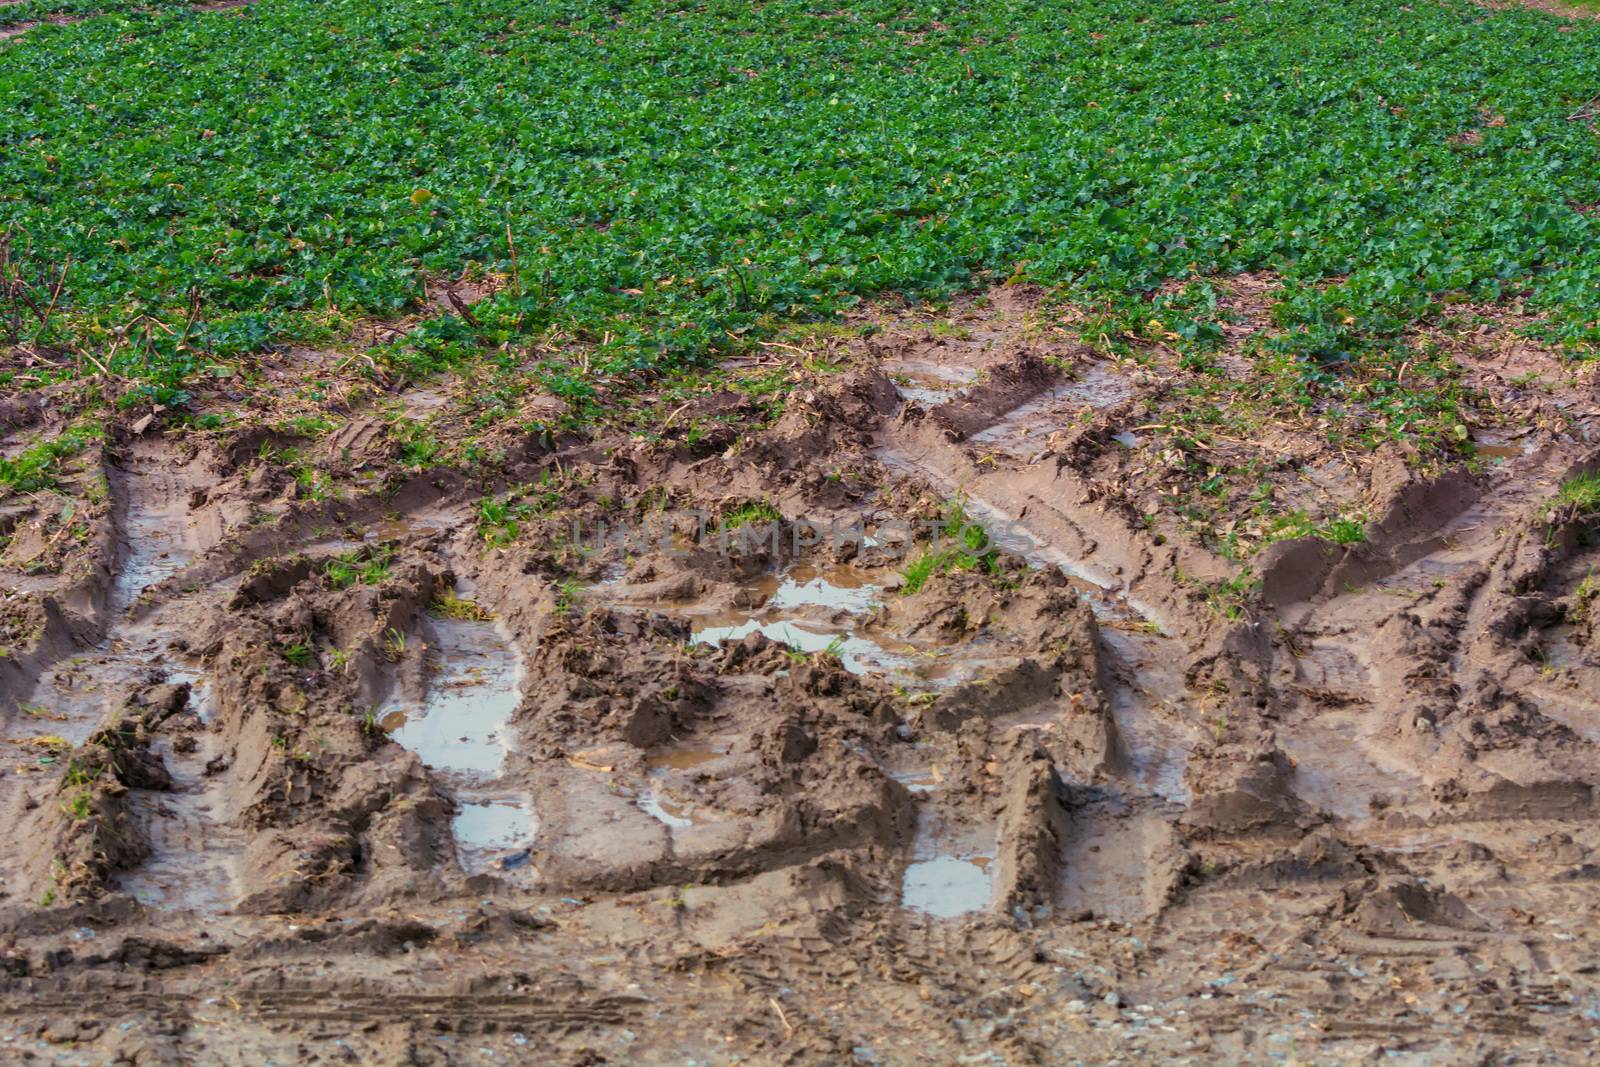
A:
<point x="900" y="728"/>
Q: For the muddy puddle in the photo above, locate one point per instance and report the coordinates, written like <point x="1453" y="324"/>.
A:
<point x="951" y="864"/>
<point x="811" y="611"/>
<point x="1496" y="446"/>
<point x="836" y="610"/>
<point x="494" y="834"/>
<point x="928" y="383"/>
<point x="75" y="695"/>
<point x="460" y="729"/>
<point x="669" y="777"/>
<point x="669" y="812"/>
<point x="1153" y="732"/>
<point x="1025" y="431"/>
<point x="461" y="724"/>
<point x="920" y="780"/>
<point x="196" y="855"/>
<point x="1341" y="770"/>
<point x="858" y="655"/>
<point x="155" y="545"/>
<point x="949" y="886"/>
<point x="684" y="758"/>
<point x="951" y="868"/>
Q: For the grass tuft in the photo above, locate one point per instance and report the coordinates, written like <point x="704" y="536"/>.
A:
<point x="1581" y="493"/>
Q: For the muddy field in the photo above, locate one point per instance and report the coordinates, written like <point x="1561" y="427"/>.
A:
<point x="670" y="748"/>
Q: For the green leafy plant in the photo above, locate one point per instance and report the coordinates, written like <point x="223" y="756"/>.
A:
<point x="1230" y="597"/>
<point x="972" y="550"/>
<point x="79" y="806"/>
<point x="38" y="465"/>
<point x="1584" y="598"/>
<point x="1109" y="167"/>
<point x="569" y="594"/>
<point x="369" y="565"/>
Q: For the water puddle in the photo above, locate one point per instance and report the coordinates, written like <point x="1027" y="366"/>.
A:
<point x="809" y="610"/>
<point x="948" y="886"/>
<point x="929" y="384"/>
<point x="683" y="758"/>
<point x="1498" y="447"/>
<point x="671" y="813"/>
<point x="920" y="781"/>
<point x="952" y="868"/>
<point x="686" y="762"/>
<point x="461" y="730"/>
<point x="1154" y="752"/>
<point x="195" y="855"/>
<point x="837" y="588"/>
<point x="73" y="697"/>
<point x="461" y="726"/>
<point x="1336" y="771"/>
<point x="858" y="655"/>
<point x="155" y="552"/>
<point x="200" y="698"/>
<point x="494" y="834"/>
<point x="1023" y="432"/>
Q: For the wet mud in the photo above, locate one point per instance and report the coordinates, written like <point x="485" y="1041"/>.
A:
<point x="388" y="775"/>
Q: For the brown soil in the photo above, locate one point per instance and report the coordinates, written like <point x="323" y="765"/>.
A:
<point x="1549" y="7"/>
<point x="363" y="774"/>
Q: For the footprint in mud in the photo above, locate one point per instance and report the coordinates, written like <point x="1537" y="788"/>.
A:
<point x="196" y="856"/>
<point x="928" y="383"/>
<point x="461" y="731"/>
<point x="952" y="867"/>
<point x="75" y="697"/>
<point x="658" y="800"/>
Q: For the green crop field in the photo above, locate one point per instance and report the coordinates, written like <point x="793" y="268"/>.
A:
<point x="673" y="179"/>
